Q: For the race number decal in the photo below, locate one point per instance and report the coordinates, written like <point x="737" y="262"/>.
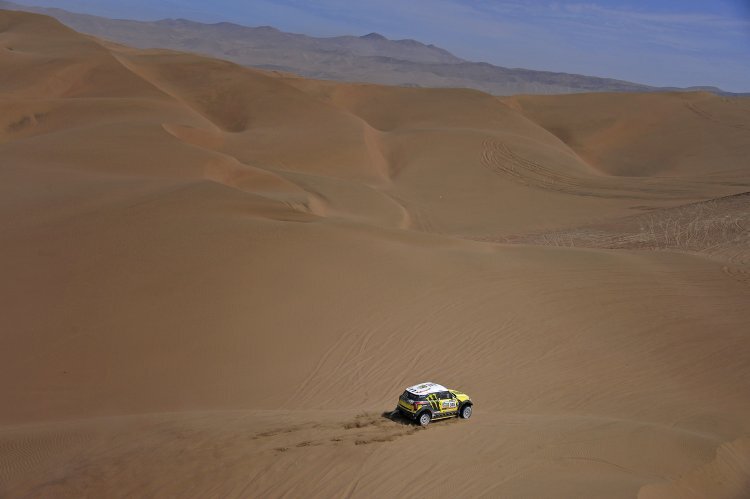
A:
<point x="449" y="404"/>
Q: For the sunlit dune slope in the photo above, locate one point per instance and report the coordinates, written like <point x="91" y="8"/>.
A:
<point x="215" y="281"/>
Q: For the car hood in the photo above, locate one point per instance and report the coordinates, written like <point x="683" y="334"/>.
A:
<point x="460" y="395"/>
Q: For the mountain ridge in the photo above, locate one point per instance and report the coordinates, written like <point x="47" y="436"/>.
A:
<point x="370" y="58"/>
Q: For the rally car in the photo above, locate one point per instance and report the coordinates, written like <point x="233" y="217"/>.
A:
<point x="427" y="401"/>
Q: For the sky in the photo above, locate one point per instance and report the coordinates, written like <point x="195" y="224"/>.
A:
<point x="663" y="43"/>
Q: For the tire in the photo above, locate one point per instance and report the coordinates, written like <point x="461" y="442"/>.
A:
<point x="424" y="419"/>
<point x="465" y="412"/>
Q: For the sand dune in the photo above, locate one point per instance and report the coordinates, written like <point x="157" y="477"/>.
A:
<point x="667" y="135"/>
<point x="217" y="280"/>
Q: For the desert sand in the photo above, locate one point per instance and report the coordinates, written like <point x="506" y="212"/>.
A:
<point x="216" y="281"/>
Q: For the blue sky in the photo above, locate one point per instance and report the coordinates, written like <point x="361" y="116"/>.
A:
<point x="664" y="43"/>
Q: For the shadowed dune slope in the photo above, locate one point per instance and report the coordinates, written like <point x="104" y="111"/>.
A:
<point x="216" y="281"/>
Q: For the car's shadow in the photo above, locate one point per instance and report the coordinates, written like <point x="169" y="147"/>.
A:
<point x="397" y="417"/>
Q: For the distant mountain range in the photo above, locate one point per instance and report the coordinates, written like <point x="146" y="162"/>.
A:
<point x="371" y="58"/>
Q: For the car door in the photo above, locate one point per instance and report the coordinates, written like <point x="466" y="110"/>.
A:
<point x="448" y="403"/>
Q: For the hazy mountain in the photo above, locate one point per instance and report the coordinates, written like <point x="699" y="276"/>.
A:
<point x="370" y="58"/>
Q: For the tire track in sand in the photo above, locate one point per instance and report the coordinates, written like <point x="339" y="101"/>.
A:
<point x="364" y="429"/>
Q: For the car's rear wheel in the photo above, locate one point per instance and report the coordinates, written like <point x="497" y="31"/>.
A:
<point x="465" y="412"/>
<point x="424" y="419"/>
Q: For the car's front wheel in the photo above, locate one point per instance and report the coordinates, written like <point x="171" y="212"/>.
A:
<point x="466" y="411"/>
<point x="425" y="418"/>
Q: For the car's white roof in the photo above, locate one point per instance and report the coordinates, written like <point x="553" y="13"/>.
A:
<point x="426" y="388"/>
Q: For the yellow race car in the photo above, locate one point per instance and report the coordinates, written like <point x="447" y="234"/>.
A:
<point x="427" y="401"/>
